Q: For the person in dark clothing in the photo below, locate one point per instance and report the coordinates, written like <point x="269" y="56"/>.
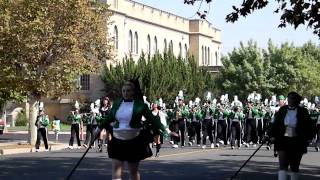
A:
<point x="291" y="133"/>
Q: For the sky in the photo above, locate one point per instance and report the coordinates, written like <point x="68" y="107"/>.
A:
<point x="260" y="26"/>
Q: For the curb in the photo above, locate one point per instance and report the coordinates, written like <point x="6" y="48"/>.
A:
<point x="56" y="147"/>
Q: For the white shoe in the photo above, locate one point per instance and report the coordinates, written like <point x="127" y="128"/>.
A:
<point x="175" y="146"/>
<point x="221" y="142"/>
<point x="46" y="150"/>
<point x="79" y="147"/>
<point x="232" y="147"/>
<point x="171" y="142"/>
<point x="70" y="147"/>
<point x="246" y="145"/>
<point x="282" y="175"/>
<point x="268" y="148"/>
<point x="203" y="147"/>
<point x="198" y="145"/>
<point x="190" y="143"/>
<point x="85" y="146"/>
<point x="37" y="150"/>
<point x="217" y="145"/>
<point x="294" y="176"/>
<point x="254" y="145"/>
<point x="212" y="146"/>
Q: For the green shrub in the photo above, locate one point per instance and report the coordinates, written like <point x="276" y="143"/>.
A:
<point x="21" y="119"/>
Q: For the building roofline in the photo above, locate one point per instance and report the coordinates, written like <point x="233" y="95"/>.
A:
<point x="132" y="1"/>
<point x="217" y="29"/>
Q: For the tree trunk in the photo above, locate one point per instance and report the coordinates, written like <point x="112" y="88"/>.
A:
<point x="32" y="120"/>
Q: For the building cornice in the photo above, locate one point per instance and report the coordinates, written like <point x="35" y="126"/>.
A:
<point x="165" y="27"/>
<point x="149" y="22"/>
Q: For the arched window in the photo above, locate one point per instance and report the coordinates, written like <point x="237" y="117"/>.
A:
<point x="115" y="3"/>
<point x="136" y="43"/>
<point x="185" y="51"/>
<point x="116" y="37"/>
<point x="155" y="46"/>
<point x="165" y="45"/>
<point x="202" y="55"/>
<point x="171" y="46"/>
<point x="148" y="44"/>
<point x="180" y="50"/>
<point x="208" y="62"/>
<point x="205" y="56"/>
<point x="216" y="54"/>
<point x="130" y="42"/>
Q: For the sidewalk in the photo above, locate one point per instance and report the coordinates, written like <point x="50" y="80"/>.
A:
<point x="21" y="146"/>
<point x="16" y="147"/>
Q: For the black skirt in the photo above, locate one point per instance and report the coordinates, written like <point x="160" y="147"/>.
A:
<point x="133" y="150"/>
<point x="292" y="144"/>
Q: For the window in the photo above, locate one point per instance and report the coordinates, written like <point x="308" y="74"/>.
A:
<point x="155" y="47"/>
<point x="208" y="56"/>
<point x="116" y="37"/>
<point x="202" y="54"/>
<point x="165" y="45"/>
<point x="115" y="3"/>
<point x="185" y="51"/>
<point x="216" y="54"/>
<point x="130" y="42"/>
<point x="171" y="46"/>
<point x="180" y="50"/>
<point x="136" y="43"/>
<point x="85" y="82"/>
<point x="148" y="44"/>
<point x="205" y="56"/>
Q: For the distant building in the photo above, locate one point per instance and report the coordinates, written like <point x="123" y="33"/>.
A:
<point x="138" y="28"/>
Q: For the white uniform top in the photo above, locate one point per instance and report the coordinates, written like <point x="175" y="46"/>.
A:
<point x="124" y="115"/>
<point x="290" y="121"/>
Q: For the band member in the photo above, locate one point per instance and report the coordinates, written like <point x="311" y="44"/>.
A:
<point x="128" y="143"/>
<point x="104" y="110"/>
<point x="236" y="118"/>
<point x="291" y="132"/>
<point x="221" y="115"/>
<point x="195" y="117"/>
<point x="208" y="124"/>
<point x="250" y="124"/>
<point x="181" y="113"/>
<point x="42" y="122"/>
<point x="75" y="118"/>
<point x="156" y="111"/>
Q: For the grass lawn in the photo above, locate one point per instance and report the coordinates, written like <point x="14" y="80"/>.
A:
<point x="64" y="128"/>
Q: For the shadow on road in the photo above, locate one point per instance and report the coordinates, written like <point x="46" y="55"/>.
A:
<point x="58" y="167"/>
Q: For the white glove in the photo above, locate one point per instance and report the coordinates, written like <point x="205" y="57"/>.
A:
<point x="168" y="130"/>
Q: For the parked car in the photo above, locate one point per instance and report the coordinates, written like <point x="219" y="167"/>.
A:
<point x="2" y="125"/>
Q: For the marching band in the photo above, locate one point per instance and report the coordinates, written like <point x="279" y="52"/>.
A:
<point x="218" y="121"/>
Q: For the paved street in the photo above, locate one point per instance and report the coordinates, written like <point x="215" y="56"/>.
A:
<point x="173" y="164"/>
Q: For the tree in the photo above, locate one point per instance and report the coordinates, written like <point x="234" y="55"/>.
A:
<point x="293" y="12"/>
<point x="276" y="70"/>
<point x="161" y="75"/>
<point x="46" y="44"/>
<point x="244" y="71"/>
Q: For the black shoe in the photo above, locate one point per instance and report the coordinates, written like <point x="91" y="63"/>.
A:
<point x="317" y="149"/>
